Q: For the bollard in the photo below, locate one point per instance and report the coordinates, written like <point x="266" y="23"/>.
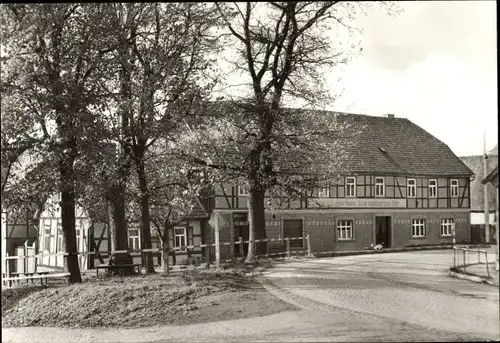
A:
<point x="308" y="246"/>
<point x="287" y="241"/>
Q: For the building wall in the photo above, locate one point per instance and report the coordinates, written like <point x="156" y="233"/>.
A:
<point x="321" y="228"/>
<point x="228" y="196"/>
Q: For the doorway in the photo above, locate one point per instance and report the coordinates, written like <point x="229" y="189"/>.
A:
<point x="383" y="231"/>
<point x="293" y="229"/>
<point x="240" y="224"/>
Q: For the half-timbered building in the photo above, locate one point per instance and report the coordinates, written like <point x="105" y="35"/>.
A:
<point x="401" y="187"/>
<point x="95" y="237"/>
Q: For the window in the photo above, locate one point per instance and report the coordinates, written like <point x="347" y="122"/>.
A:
<point x="447" y="226"/>
<point x="133" y="239"/>
<point x="418" y="227"/>
<point x="242" y="190"/>
<point x="350" y="186"/>
<point x="454" y="188"/>
<point x="46" y="239"/>
<point x="432" y="188"/>
<point x="57" y="197"/>
<point x="344" y="230"/>
<point x="324" y="192"/>
<point x="60" y="238"/>
<point x="379" y="186"/>
<point x="180" y="238"/>
<point x="412" y="188"/>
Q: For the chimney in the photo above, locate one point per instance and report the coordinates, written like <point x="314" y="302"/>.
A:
<point x="389" y="115"/>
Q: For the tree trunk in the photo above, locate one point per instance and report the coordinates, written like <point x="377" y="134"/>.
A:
<point x="167" y="227"/>
<point x="145" y="218"/>
<point x="111" y="225"/>
<point x="256" y="224"/>
<point x="68" y="216"/>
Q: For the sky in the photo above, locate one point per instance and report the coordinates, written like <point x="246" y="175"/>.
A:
<point x="435" y="64"/>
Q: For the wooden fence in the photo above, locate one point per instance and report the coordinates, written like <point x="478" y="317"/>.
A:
<point x="288" y="251"/>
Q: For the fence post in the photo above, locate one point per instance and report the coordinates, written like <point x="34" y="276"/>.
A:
<point x="242" y="253"/>
<point x="487" y="269"/>
<point x="287" y="241"/>
<point x="308" y="246"/>
<point x="464" y="260"/>
<point x="478" y="256"/>
<point x="454" y="257"/>
<point x="267" y="247"/>
<point x="217" y="246"/>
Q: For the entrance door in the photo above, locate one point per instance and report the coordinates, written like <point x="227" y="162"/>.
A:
<point x="383" y="233"/>
<point x="293" y="228"/>
<point x="240" y="224"/>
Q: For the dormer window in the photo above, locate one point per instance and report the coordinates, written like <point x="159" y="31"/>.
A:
<point x="242" y="191"/>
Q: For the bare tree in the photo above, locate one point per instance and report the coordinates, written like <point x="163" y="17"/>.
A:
<point x="283" y="49"/>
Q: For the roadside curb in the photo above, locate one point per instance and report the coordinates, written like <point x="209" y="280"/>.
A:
<point x="473" y="278"/>
<point x="383" y="251"/>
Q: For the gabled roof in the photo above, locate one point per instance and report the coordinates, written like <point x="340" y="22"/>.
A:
<point x="384" y="145"/>
<point x="398" y="146"/>
<point x="491" y="176"/>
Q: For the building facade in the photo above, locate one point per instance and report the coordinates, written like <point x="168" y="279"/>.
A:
<point x="96" y="237"/>
<point x="477" y="164"/>
<point x="404" y="188"/>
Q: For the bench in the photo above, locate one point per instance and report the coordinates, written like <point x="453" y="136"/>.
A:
<point x="32" y="276"/>
<point x="116" y="266"/>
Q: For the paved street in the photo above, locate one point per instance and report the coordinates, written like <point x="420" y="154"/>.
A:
<point x="386" y="297"/>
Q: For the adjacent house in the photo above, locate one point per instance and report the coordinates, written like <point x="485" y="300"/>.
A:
<point x="476" y="164"/>
<point x="402" y="187"/>
<point x="95" y="237"/>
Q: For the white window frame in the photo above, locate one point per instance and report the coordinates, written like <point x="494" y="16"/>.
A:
<point x="413" y="187"/>
<point x="433" y="187"/>
<point x="454" y="186"/>
<point x="136" y="239"/>
<point x="182" y="236"/>
<point x="345" y="230"/>
<point x="324" y="192"/>
<point x="350" y="183"/>
<point x="242" y="191"/>
<point x="60" y="238"/>
<point x="447" y="227"/>
<point x="377" y="184"/>
<point x="418" y="228"/>
<point x="57" y="197"/>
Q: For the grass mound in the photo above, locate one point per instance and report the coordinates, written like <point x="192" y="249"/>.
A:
<point x="114" y="301"/>
<point x="144" y="300"/>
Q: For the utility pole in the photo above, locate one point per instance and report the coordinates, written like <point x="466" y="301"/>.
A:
<point x="485" y="190"/>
